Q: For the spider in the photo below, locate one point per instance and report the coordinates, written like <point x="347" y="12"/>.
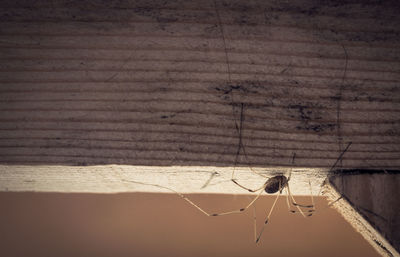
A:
<point x="275" y="184"/>
<point x="272" y="185"/>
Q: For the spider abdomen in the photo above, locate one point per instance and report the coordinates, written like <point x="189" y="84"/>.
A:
<point x="275" y="184"/>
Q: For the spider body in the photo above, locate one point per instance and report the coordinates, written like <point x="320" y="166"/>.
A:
<point x="275" y="184"/>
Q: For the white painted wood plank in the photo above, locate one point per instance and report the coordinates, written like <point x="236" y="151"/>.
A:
<point x="115" y="179"/>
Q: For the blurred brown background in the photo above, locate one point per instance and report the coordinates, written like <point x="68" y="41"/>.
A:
<point x="53" y="224"/>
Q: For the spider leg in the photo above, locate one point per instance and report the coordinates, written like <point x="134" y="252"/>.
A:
<point x="267" y="219"/>
<point x="248" y="163"/>
<point x="334" y="165"/>
<point x="312" y="206"/>
<point x="248" y="189"/>
<point x="288" y="202"/>
<point x="176" y="192"/>
<point x="241" y="146"/>
<point x="241" y="209"/>
<point x="239" y="130"/>
<point x="293" y="202"/>
<point x="255" y="222"/>
<point x="312" y="198"/>
<point x="291" y="196"/>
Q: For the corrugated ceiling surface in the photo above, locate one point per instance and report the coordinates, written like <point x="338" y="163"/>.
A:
<point x="164" y="82"/>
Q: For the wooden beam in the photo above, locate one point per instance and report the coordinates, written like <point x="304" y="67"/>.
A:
<point x="183" y="85"/>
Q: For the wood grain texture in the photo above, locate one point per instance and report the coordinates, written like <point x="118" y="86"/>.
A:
<point x="375" y="198"/>
<point x="160" y="83"/>
<point x="355" y="207"/>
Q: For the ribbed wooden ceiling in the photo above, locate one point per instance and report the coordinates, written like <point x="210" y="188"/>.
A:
<point x="163" y="82"/>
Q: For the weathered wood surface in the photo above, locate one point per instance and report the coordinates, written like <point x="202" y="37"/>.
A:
<point x="370" y="203"/>
<point x="161" y="84"/>
<point x="375" y="197"/>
